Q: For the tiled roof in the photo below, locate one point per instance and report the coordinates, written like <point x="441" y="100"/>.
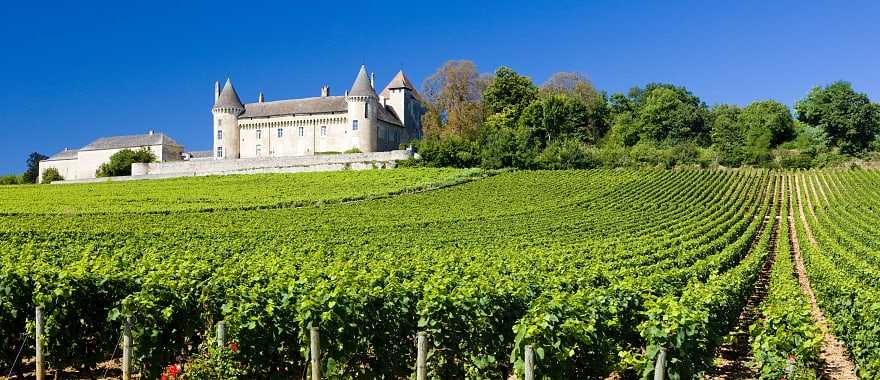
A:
<point x="362" y="85"/>
<point x="326" y="104"/>
<point x="67" y="154"/>
<point x="399" y="81"/>
<point x="132" y="141"/>
<point x="228" y="97"/>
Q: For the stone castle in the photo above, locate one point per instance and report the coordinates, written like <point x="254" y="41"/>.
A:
<point x="361" y="120"/>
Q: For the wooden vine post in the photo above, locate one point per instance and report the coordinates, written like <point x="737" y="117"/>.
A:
<point x="221" y="334"/>
<point x="315" y="352"/>
<point x="38" y="341"/>
<point x="421" y="356"/>
<point x="660" y="366"/>
<point x="529" y="363"/>
<point x="126" y="350"/>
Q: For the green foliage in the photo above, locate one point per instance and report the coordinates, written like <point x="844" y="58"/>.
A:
<point x="728" y="135"/>
<point x="120" y="162"/>
<point x="452" y="151"/>
<point x="567" y="154"/>
<point x="556" y="117"/>
<point x="11" y="180"/>
<point x="214" y="363"/>
<point x="670" y="116"/>
<point x="508" y="89"/>
<point x="767" y="121"/>
<point x="51" y="175"/>
<point x="33" y="167"/>
<point x="849" y="118"/>
<point x="353" y="150"/>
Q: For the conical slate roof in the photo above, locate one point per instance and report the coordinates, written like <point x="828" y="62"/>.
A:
<point x="362" y="86"/>
<point x="399" y="81"/>
<point x="228" y="97"/>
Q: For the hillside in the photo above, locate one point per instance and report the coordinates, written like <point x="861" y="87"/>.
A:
<point x="596" y="269"/>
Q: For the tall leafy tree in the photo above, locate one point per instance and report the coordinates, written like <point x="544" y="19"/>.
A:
<point x="582" y="90"/>
<point x="669" y="116"/>
<point x="453" y="95"/>
<point x="555" y="117"/>
<point x="508" y="89"/>
<point x="728" y="134"/>
<point x="848" y="117"/>
<point x="769" y="121"/>
<point x="33" y="167"/>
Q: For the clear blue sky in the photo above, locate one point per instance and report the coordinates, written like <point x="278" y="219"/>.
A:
<point x="75" y="71"/>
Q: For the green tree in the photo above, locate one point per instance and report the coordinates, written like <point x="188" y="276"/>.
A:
<point x="120" y="162"/>
<point x="849" y="118"/>
<point x="51" y="175"/>
<point x="33" y="167"/>
<point x="508" y="89"/>
<point x="556" y="117"/>
<point x="769" y="118"/>
<point x="579" y="88"/>
<point x="670" y="116"/>
<point x="728" y="134"/>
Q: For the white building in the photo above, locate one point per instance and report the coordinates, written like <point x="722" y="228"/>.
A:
<point x="83" y="163"/>
<point x="359" y="120"/>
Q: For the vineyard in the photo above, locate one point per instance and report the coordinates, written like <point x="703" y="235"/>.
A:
<point x="599" y="271"/>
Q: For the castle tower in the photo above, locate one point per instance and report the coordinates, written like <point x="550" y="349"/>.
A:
<point x="401" y="96"/>
<point x="363" y="112"/>
<point x="227" y="108"/>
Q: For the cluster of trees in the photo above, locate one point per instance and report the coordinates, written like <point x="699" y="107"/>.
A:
<point x="120" y="162"/>
<point x="505" y="120"/>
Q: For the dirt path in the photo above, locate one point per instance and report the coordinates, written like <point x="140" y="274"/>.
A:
<point x="800" y="204"/>
<point x="836" y="362"/>
<point x="734" y="356"/>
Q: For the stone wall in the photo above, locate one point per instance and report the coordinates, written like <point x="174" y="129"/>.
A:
<point x="202" y="167"/>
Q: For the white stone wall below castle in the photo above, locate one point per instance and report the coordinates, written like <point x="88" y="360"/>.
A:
<point x="273" y="164"/>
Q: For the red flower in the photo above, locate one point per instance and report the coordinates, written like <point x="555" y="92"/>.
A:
<point x="164" y="377"/>
<point x="792" y="358"/>
<point x="172" y="371"/>
<point x="234" y="347"/>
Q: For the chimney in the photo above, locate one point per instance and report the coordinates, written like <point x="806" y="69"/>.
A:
<point x="216" y="91"/>
<point x="373" y="81"/>
<point x="151" y="132"/>
<point x="261" y="99"/>
<point x="325" y="91"/>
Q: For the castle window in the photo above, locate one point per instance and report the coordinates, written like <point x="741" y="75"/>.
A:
<point x="219" y="122"/>
<point x="354" y="125"/>
<point x="366" y="110"/>
<point x="259" y="134"/>
<point x="280" y="132"/>
<point x="323" y="130"/>
<point x="219" y="134"/>
<point x="302" y="131"/>
<point x="259" y="149"/>
<point x="219" y="152"/>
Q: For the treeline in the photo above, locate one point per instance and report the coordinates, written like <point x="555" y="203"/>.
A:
<point x="506" y="120"/>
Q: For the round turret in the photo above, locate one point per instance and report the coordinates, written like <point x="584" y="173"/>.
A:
<point x="363" y="112"/>
<point x="226" y="110"/>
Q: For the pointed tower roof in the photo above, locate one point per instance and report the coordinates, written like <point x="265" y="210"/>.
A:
<point x="361" y="86"/>
<point x="399" y="81"/>
<point x="228" y="97"/>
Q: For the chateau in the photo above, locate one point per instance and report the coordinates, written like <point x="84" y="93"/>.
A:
<point x="360" y="120"/>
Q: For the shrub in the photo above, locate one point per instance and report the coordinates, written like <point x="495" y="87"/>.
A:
<point x="353" y="150"/>
<point x="567" y="154"/>
<point x="51" y="174"/>
<point x="120" y="162"/>
<point x="10" y="180"/>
